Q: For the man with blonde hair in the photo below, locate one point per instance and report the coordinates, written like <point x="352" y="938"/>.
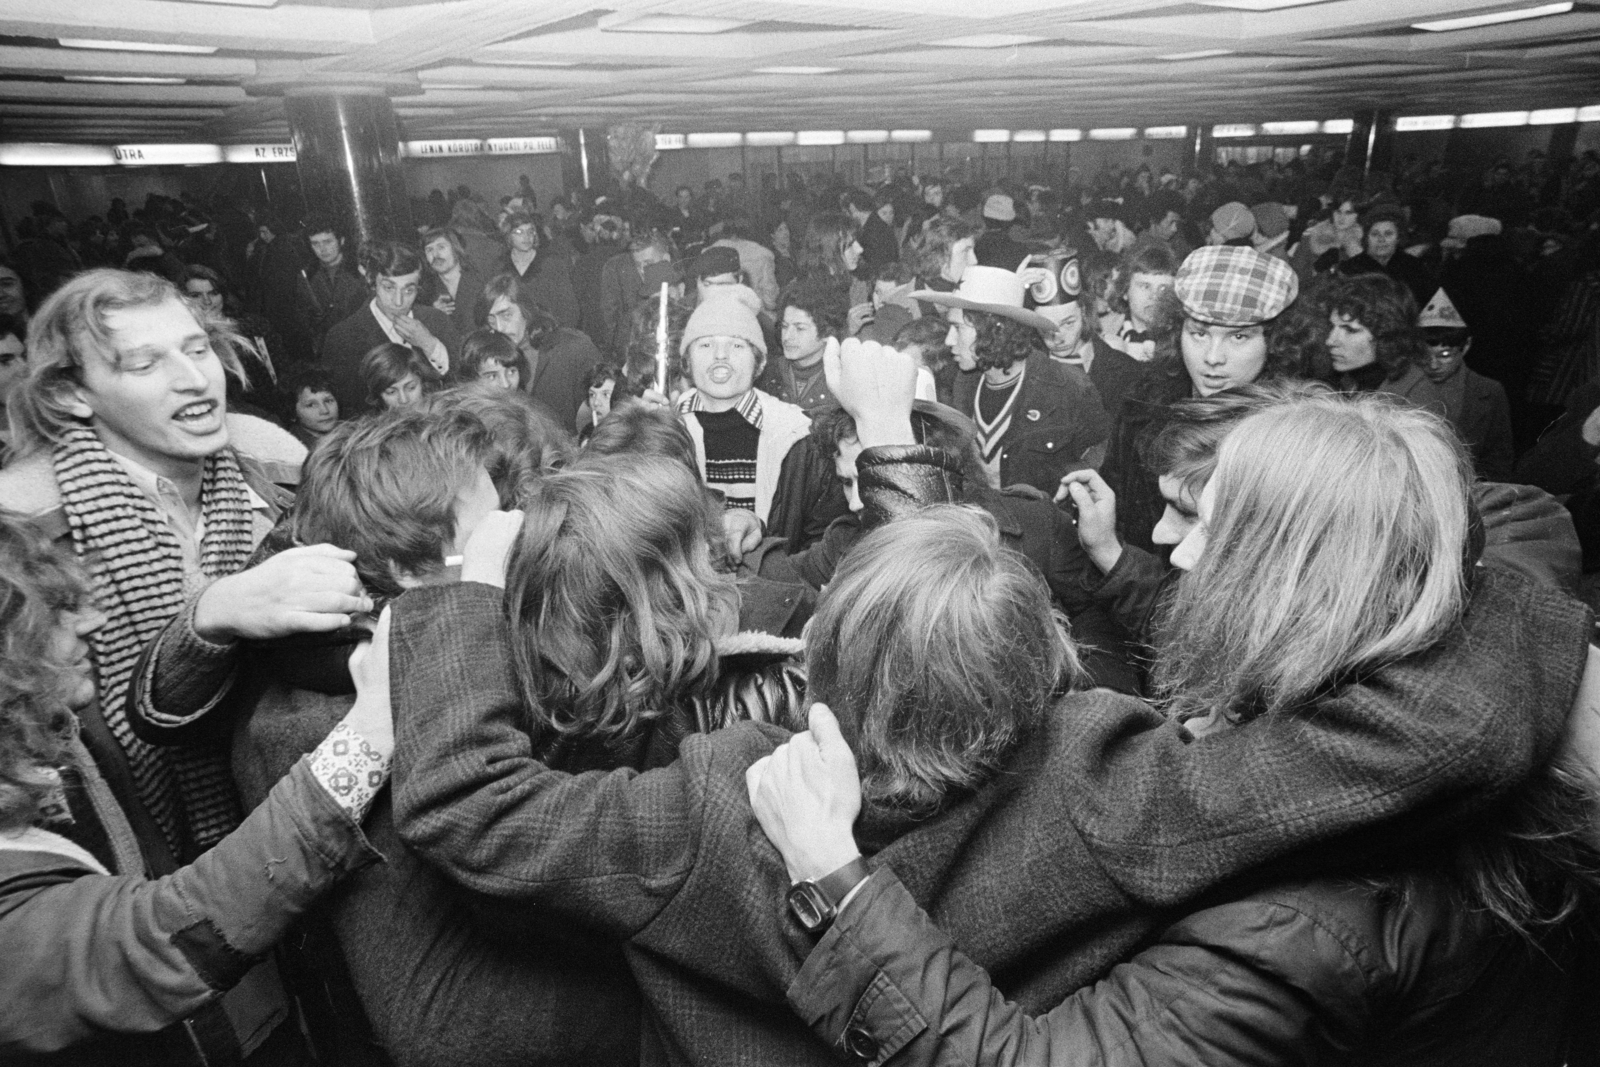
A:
<point x="127" y="456"/>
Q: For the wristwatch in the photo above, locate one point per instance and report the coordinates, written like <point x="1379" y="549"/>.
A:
<point x="815" y="904"/>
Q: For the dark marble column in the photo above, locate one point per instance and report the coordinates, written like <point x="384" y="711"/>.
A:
<point x="347" y="150"/>
<point x="1371" y="143"/>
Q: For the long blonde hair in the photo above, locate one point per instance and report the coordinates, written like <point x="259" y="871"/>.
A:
<point x="1336" y="543"/>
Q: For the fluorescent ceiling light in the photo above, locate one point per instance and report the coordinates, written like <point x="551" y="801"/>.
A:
<point x="1414" y="123"/>
<point x="716" y="140"/>
<point x="56" y="155"/>
<point x="1257" y="5"/>
<point x="1204" y="53"/>
<point x="1234" y="129"/>
<point x="910" y="136"/>
<point x="1339" y="126"/>
<point x="991" y="136"/>
<point x="1029" y="136"/>
<point x="674" y="24"/>
<point x="1589" y="114"/>
<point x="1551" y="116"/>
<point x="1485" y="119"/>
<point x="131" y="79"/>
<point x="1466" y="22"/>
<point x="796" y="70"/>
<point x="866" y="136"/>
<point x="988" y="40"/>
<point x="819" y="137"/>
<point x="1114" y="133"/>
<point x="136" y="46"/>
<point x="1165" y="133"/>
<point x="1293" y="128"/>
<point x="1066" y="135"/>
<point x="769" y="138"/>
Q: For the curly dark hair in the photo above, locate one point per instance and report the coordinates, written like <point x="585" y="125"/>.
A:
<point x="1293" y="342"/>
<point x="37" y="585"/>
<point x="825" y="299"/>
<point x="1382" y="305"/>
<point x="1003" y="342"/>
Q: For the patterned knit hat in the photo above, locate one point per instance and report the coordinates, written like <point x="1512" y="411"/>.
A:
<point x="726" y="311"/>
<point x="1228" y="285"/>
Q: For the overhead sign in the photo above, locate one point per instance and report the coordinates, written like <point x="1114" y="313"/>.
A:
<point x="258" y="153"/>
<point x="523" y="146"/>
<point x="150" y="155"/>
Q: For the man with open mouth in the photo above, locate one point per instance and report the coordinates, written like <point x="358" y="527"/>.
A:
<point x="128" y="457"/>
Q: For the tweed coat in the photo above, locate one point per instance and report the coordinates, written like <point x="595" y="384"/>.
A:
<point x="1094" y="832"/>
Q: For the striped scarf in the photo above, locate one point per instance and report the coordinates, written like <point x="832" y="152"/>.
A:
<point x="136" y="572"/>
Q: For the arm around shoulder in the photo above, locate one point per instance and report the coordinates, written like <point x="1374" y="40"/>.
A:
<point x="88" y="952"/>
<point x="886" y="983"/>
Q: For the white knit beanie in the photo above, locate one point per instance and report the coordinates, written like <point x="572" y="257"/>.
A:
<point x="726" y="311"/>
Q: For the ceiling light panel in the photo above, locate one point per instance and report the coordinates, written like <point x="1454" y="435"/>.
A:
<point x="1493" y="18"/>
<point x="121" y="79"/>
<point x="136" y="46"/>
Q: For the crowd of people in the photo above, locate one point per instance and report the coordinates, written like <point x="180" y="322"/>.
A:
<point x="1139" y="622"/>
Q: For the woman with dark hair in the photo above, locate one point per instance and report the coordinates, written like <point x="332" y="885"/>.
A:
<point x="1035" y="421"/>
<point x="1330" y="546"/>
<point x="207" y="289"/>
<point x="1383" y="228"/>
<point x="1229" y="320"/>
<point x="829" y="249"/>
<point x="395" y="376"/>
<point x="310" y="408"/>
<point x="1374" y="342"/>
<point x="104" y="963"/>
<point x="558" y="359"/>
<point x="544" y="275"/>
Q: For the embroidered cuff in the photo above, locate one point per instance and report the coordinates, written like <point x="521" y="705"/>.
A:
<point x="350" y="769"/>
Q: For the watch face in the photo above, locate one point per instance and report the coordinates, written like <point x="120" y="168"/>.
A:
<point x="810" y="906"/>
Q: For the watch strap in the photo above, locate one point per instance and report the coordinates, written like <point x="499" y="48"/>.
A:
<point x="837" y="886"/>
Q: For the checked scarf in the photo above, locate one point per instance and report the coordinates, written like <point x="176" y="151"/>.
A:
<point x="136" y="572"/>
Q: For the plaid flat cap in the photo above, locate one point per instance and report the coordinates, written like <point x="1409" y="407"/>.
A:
<point x="1227" y="285"/>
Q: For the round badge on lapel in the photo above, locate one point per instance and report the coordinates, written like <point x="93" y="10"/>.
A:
<point x="1033" y="414"/>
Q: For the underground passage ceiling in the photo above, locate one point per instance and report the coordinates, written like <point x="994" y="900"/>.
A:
<point x="101" y="71"/>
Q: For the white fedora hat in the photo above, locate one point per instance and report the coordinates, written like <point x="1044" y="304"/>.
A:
<point x="992" y="289"/>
